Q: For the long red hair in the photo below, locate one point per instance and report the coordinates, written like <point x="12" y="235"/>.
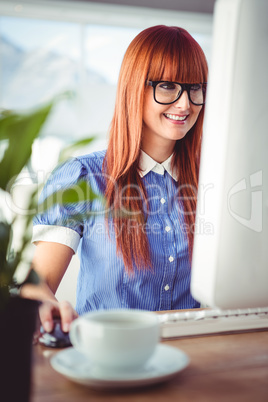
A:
<point x="153" y="52"/>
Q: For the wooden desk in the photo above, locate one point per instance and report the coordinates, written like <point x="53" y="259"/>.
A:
<point x="222" y="368"/>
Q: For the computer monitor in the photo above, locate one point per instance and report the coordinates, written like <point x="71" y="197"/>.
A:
<point x="230" y="256"/>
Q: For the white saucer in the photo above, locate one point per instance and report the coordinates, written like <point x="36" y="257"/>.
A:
<point x="162" y="366"/>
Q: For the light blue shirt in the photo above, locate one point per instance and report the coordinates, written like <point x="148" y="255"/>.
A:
<point x="103" y="282"/>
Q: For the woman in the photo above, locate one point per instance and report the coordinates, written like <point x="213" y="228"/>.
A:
<point x="139" y="254"/>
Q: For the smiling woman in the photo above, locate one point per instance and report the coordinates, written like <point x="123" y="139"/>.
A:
<point x="135" y="249"/>
<point x="157" y="53"/>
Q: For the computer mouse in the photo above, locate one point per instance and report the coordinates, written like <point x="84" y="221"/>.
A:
<point x="56" y="338"/>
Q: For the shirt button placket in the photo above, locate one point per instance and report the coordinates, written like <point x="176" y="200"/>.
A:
<point x="166" y="296"/>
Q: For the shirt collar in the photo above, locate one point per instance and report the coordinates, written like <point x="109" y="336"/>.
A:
<point x="148" y="164"/>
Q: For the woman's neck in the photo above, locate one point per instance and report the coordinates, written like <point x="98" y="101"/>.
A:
<point x="159" y="154"/>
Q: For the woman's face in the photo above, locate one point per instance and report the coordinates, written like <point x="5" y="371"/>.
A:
<point x="163" y="125"/>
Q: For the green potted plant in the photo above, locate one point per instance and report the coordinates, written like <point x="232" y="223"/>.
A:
<point x="17" y="315"/>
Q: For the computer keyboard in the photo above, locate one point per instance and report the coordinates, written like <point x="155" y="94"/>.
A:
<point x="212" y="321"/>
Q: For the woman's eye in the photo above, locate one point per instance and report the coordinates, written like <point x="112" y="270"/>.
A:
<point x="195" y="87"/>
<point x="168" y="86"/>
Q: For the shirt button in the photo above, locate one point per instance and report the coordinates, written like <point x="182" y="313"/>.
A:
<point x="171" y="258"/>
<point x="162" y="200"/>
<point x="167" y="228"/>
<point x="166" y="287"/>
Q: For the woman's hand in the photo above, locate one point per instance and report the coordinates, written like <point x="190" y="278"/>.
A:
<point x="53" y="309"/>
<point x="50" y="308"/>
<point x="50" y="261"/>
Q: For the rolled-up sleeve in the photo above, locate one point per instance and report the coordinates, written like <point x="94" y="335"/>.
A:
<point x="56" y="234"/>
<point x="60" y="223"/>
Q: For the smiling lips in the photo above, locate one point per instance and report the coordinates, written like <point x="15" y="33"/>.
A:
<point x="175" y="117"/>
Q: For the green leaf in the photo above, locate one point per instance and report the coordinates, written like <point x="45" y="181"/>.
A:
<point x="5" y="235"/>
<point x="21" y="131"/>
<point x="69" y="150"/>
<point x="77" y="193"/>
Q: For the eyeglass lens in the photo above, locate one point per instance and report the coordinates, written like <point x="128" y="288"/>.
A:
<point x="168" y="92"/>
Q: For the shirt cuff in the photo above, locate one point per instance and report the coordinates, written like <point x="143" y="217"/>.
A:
<point x="56" y="234"/>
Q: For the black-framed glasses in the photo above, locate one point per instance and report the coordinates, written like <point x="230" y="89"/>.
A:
<point x="167" y="92"/>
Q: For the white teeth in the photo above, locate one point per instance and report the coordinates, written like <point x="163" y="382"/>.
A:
<point x="175" y="117"/>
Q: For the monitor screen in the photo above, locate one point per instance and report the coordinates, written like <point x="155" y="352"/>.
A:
<point x="230" y="257"/>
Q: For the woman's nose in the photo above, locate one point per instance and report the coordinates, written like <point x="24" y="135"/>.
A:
<point x="183" y="102"/>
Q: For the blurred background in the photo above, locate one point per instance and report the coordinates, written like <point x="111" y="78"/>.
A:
<point x="48" y="47"/>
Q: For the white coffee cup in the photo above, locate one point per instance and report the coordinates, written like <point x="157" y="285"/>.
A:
<point x="116" y="339"/>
